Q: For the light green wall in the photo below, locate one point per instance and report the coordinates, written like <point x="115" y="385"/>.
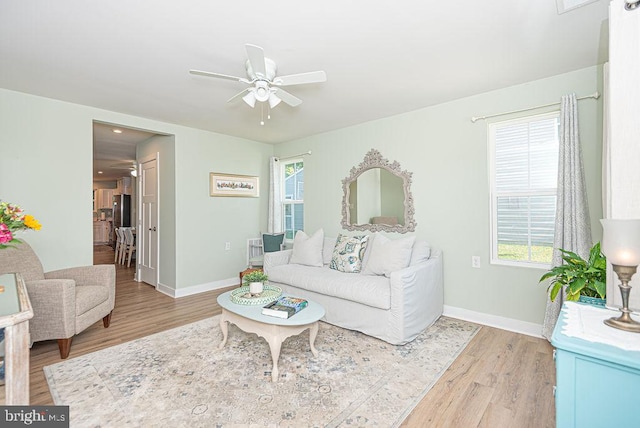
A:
<point x="46" y="166"/>
<point x="447" y="154"/>
<point x="205" y="223"/>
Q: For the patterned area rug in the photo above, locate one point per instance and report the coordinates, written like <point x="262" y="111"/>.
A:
<point x="180" y="378"/>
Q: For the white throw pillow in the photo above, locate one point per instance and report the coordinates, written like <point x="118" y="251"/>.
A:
<point x="420" y="253"/>
<point x="367" y="251"/>
<point x="388" y="255"/>
<point x="327" y="250"/>
<point x="308" y="250"/>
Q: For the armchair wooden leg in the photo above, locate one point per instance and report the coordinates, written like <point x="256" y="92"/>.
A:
<point x="65" y="347"/>
<point x="107" y="320"/>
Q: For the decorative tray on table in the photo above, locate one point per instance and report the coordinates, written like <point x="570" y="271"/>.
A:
<point x="241" y="295"/>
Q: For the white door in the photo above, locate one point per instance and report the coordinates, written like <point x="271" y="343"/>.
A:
<point x="147" y="236"/>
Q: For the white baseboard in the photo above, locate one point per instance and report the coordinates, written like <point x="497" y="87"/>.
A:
<point x="509" y="324"/>
<point x="196" y="289"/>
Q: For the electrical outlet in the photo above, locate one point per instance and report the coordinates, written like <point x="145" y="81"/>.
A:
<point x="227" y="246"/>
<point x="475" y="261"/>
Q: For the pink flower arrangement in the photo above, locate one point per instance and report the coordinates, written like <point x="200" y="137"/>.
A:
<point x="13" y="219"/>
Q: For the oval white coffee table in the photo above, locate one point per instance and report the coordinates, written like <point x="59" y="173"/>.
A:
<point x="274" y="330"/>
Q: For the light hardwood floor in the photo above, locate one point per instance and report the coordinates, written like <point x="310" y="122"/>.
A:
<point x="501" y="379"/>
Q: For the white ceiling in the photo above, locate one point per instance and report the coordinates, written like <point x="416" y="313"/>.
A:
<point x="381" y="58"/>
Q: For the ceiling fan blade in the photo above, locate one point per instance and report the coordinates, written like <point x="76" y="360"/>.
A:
<point x="237" y="95"/>
<point x="219" y="75"/>
<point x="302" y="78"/>
<point x="256" y="59"/>
<point x="123" y="165"/>
<point x="287" y="97"/>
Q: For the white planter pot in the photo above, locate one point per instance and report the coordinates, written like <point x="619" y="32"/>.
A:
<point x="256" y="287"/>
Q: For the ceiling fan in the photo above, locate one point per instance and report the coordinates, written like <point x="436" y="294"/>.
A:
<point x="129" y="165"/>
<point x="265" y="86"/>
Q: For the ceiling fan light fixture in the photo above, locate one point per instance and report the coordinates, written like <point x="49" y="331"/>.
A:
<point x="134" y="173"/>
<point x="250" y="99"/>
<point x="261" y="91"/>
<point x="273" y="100"/>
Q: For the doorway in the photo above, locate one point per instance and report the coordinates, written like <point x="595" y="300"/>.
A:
<point x="116" y="185"/>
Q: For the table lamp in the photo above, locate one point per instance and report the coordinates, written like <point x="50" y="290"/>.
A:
<point x="621" y="245"/>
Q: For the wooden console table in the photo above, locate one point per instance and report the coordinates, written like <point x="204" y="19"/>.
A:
<point x="15" y="313"/>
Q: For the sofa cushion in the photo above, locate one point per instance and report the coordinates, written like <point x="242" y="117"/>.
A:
<point x="368" y="290"/>
<point x="307" y="250"/>
<point x="348" y="253"/>
<point x="90" y="296"/>
<point x="388" y="255"/>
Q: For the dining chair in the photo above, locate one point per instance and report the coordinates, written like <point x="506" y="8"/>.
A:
<point x="130" y="245"/>
<point x="119" y="245"/>
<point x="267" y="243"/>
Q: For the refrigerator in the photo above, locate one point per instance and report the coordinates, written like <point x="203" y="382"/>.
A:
<point x="121" y="211"/>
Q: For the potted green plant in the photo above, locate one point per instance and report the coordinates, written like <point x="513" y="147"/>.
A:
<point x="584" y="280"/>
<point x="256" y="280"/>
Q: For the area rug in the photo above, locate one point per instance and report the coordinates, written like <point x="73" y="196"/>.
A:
<point x="179" y="378"/>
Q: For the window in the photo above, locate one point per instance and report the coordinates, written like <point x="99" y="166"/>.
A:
<point x="293" y="200"/>
<point x="524" y="175"/>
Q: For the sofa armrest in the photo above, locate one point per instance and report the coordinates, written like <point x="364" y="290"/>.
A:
<point x="54" y="308"/>
<point x="275" y="258"/>
<point x="417" y="293"/>
<point x="104" y="275"/>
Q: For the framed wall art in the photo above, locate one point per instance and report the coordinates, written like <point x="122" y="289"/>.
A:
<point x="233" y="185"/>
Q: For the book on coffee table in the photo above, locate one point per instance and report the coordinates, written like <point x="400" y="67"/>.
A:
<point x="285" y="307"/>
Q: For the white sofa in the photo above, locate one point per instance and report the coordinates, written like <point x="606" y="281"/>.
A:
<point x="395" y="308"/>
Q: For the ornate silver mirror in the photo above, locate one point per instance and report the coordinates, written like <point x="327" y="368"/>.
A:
<point x="377" y="196"/>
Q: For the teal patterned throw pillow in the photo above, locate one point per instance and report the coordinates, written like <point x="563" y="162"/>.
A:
<point x="348" y="253"/>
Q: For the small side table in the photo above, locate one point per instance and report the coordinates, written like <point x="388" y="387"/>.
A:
<point x="247" y="271"/>
<point x="597" y="385"/>
<point x="15" y="313"/>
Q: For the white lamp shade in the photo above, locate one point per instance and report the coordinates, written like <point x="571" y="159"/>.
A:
<point x="273" y="100"/>
<point x="250" y="99"/>
<point x="621" y="241"/>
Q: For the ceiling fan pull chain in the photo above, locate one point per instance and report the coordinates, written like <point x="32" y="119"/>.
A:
<point x="262" y="114"/>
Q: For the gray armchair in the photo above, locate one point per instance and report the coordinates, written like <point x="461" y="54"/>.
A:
<point x="65" y="302"/>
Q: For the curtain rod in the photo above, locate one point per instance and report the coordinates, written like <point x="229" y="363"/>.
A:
<point x="295" y="156"/>
<point x="474" y="119"/>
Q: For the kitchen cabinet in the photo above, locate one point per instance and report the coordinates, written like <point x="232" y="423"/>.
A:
<point x="597" y="384"/>
<point x="101" y="232"/>
<point x="102" y="199"/>
<point x="123" y="186"/>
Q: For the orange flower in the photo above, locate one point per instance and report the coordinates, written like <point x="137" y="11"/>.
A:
<point x="31" y="222"/>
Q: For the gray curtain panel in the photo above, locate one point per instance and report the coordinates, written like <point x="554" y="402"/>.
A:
<point x="573" y="226"/>
<point x="274" y="221"/>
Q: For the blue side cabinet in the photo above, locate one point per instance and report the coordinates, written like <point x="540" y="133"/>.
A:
<point x="597" y="385"/>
